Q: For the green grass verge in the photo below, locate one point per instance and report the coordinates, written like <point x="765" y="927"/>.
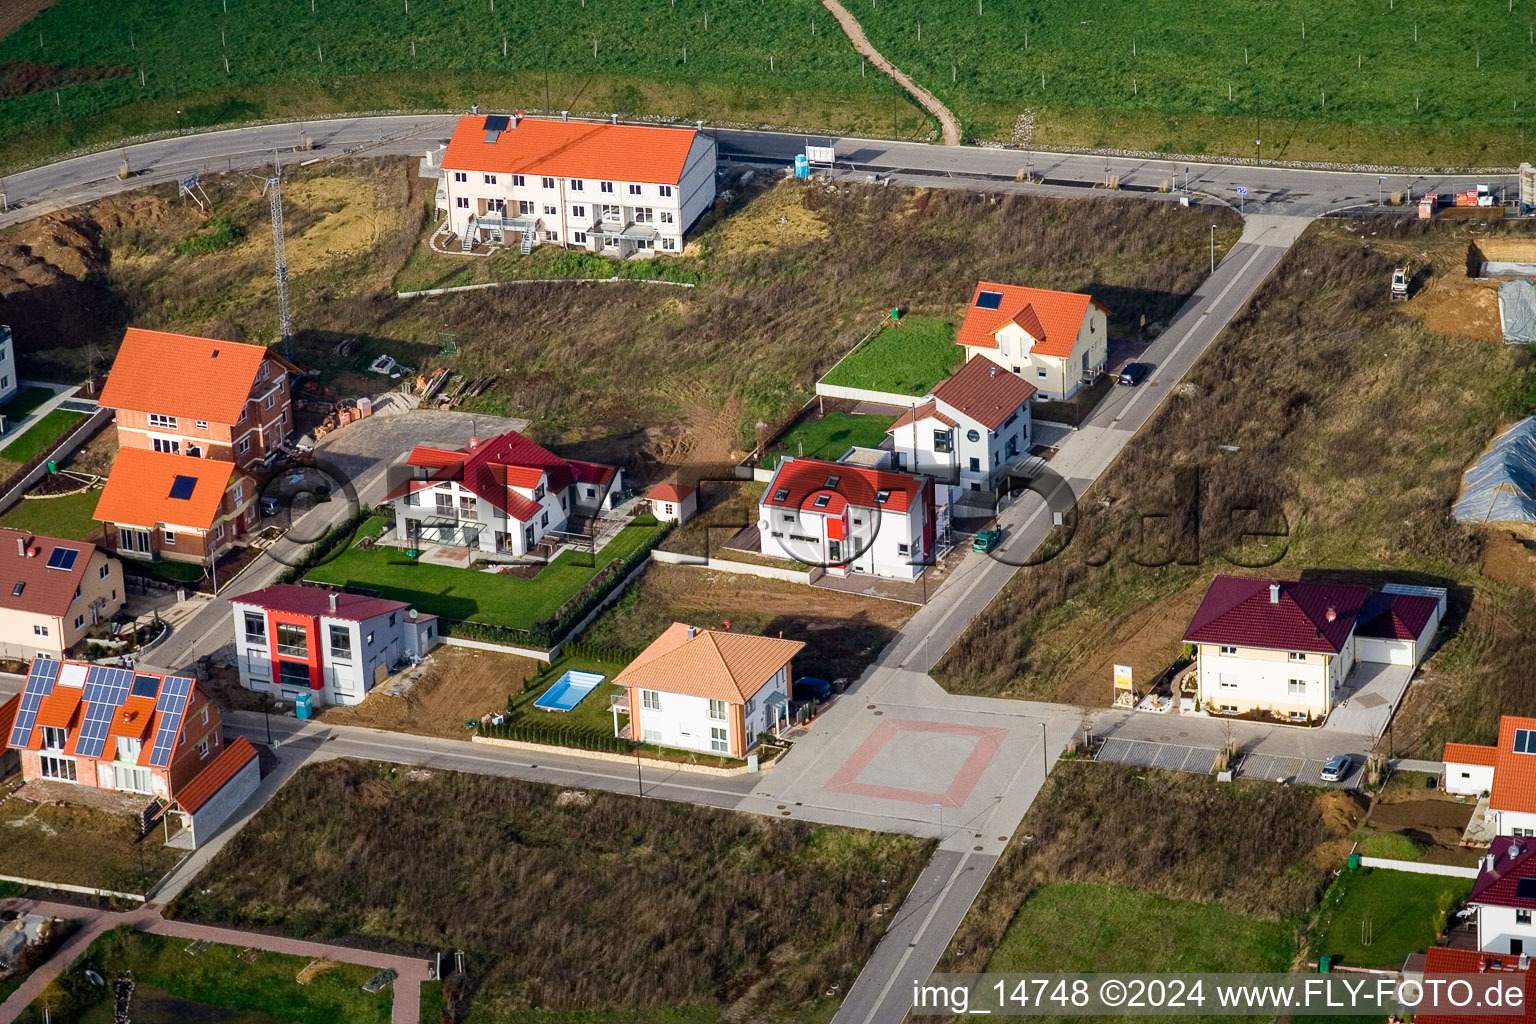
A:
<point x="1374" y="918"/>
<point x="1392" y="846"/>
<point x="68" y="517"/>
<point x="469" y="594"/>
<point x="215" y="977"/>
<point x="41" y="436"/>
<point x="24" y="401"/>
<point x="830" y="436"/>
<point x="906" y="358"/>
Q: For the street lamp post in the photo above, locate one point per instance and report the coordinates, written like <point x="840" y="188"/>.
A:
<point x="1213" y="248"/>
<point x="1379" y="179"/>
<point x="178" y="122"/>
<point x="941" y="821"/>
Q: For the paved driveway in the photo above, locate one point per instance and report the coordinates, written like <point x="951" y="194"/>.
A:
<point x="1373" y="690"/>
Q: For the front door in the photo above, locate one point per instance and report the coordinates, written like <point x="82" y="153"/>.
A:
<point x="528" y="538"/>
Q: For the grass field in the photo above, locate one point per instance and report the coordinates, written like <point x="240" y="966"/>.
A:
<point x="682" y="905"/>
<point x="24" y="401"/>
<point x="469" y="594"/>
<point x="68" y="517"/>
<point x="40" y="436"/>
<point x="1375" y="918"/>
<point x="217" y="977"/>
<point x="906" y="358"/>
<point x="1309" y="386"/>
<point x="829" y="437"/>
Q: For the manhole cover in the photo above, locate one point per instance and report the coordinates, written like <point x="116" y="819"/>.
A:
<point x="781" y="807"/>
<point x="879" y="712"/>
<point x="976" y="848"/>
<point x="869" y="707"/>
<point x="785" y="814"/>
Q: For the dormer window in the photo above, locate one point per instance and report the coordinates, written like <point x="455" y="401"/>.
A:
<point x="832" y="481"/>
<point x="1525" y="741"/>
<point x="881" y="497"/>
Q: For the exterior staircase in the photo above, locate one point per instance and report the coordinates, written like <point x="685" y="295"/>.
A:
<point x="529" y="235"/>
<point x="469" y="236"/>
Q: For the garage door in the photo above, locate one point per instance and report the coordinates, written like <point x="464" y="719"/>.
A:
<point x="1390" y="652"/>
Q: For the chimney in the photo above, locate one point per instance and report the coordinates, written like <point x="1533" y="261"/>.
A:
<point x="332" y="596"/>
<point x="474" y="443"/>
<point x="21" y="547"/>
<point x="565" y="115"/>
<point x="992" y="371"/>
<point x="517" y="118"/>
<point x="693" y="631"/>
<point x="1488" y="862"/>
<point x="1330" y="615"/>
<point x="1274" y="593"/>
<point x="613" y="118"/>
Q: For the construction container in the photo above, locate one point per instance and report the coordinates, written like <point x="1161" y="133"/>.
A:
<point x="1427" y="206"/>
<point x="1527" y="186"/>
<point x="344" y="416"/>
<point x="364" y="408"/>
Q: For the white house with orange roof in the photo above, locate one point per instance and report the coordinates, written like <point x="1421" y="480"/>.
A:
<point x="1505" y="771"/>
<point x="1058" y="341"/>
<point x="969" y="430"/>
<point x="707" y="690"/>
<point x="620" y="190"/>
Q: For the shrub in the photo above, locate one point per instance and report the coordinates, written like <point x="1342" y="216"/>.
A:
<point x="222" y="235"/>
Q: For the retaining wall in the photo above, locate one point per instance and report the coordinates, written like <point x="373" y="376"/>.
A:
<point x="866" y="395"/>
<point x="603" y="755"/>
<point x="523" y="652"/>
<point x="82" y="433"/>
<point x="767" y="572"/>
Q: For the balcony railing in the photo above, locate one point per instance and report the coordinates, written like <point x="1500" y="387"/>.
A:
<point x="619" y="702"/>
<point x="293" y="651"/>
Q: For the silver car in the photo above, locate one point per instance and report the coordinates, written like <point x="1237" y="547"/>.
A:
<point x="1335" y="768"/>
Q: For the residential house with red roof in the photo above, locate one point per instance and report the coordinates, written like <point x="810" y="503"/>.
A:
<point x="708" y="690"/>
<point x="52" y="593"/>
<point x="1504" y="896"/>
<point x="969" y="431"/>
<point x="1058" y="341"/>
<point x="334" y="646"/>
<point x="1506" y="772"/>
<point x="120" y="729"/>
<point x="848" y="518"/>
<point x="1287" y="646"/>
<point x="193" y="414"/>
<point x="1443" y="1003"/>
<point x="619" y="190"/>
<point x="503" y="496"/>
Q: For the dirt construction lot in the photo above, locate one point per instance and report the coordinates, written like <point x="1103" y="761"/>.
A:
<point x="458" y="684"/>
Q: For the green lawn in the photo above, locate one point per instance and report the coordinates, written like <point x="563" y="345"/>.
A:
<point x="591" y="715"/>
<point x="1374" y="918"/>
<point x="216" y="977"/>
<point x="41" y="436"/>
<point x="907" y="358"/>
<point x="469" y="594"/>
<point x="830" y="436"/>
<point x="24" y="401"/>
<point x="1083" y="926"/>
<point x="68" y="517"/>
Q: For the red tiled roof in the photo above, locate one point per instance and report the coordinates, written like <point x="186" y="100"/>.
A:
<point x="1396" y="616"/>
<point x="489" y="468"/>
<point x="1237" y="610"/>
<point x="57" y="711"/>
<point x="133" y="718"/>
<point x="290" y="597"/>
<point x="1440" y="961"/>
<point x="918" y="413"/>
<point x="1470" y="753"/>
<point x="1051" y="318"/>
<point x="434" y="458"/>
<point x="8" y="711"/>
<point x="591" y="472"/>
<point x="711" y="663"/>
<point x="803" y="479"/>
<point x="45" y="591"/>
<point x="1513" y="859"/>
<point x="1514" y="773"/>
<point x="180" y="375"/>
<point x="985" y="392"/>
<point x="668" y="491"/>
<point x="572" y="149"/>
<point x="138" y="492"/>
<point x="212" y="778"/>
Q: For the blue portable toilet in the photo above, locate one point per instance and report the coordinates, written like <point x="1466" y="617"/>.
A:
<point x="301" y="705"/>
<point x="802" y="166"/>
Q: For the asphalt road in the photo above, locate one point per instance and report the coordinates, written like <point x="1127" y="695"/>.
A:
<point x="1271" y="189"/>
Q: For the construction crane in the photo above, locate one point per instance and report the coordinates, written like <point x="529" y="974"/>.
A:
<point x="274" y="193"/>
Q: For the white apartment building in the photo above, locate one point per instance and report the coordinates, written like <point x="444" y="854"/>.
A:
<point x="9" y="385"/>
<point x="968" y="431"/>
<point x="619" y="190"/>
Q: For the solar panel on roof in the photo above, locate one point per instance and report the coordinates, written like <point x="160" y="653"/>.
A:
<point x="183" y="486"/>
<point x="93" y="731"/>
<point x="40" y="682"/>
<point x="497" y="122"/>
<point x="1525" y="888"/>
<point x="63" y="558"/>
<point x="107" y="685"/>
<point x="989" y="300"/>
<point x="172" y="705"/>
<point x="146" y="686"/>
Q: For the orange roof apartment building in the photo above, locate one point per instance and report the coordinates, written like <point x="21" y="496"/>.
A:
<point x="192" y="415"/>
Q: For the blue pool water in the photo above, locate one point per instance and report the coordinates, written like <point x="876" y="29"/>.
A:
<point x="568" y="690"/>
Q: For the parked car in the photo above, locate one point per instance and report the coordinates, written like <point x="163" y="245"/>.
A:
<point x="1134" y="373"/>
<point x="811" y="688"/>
<point x="1335" y="768"/>
<point x="986" y="540"/>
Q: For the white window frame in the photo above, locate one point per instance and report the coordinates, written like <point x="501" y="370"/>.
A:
<point x="650" y="700"/>
<point x="168" y="537"/>
<point x="162" y="421"/>
<point x="717" y="710"/>
<point x="664" y="190"/>
<point x="547" y="182"/>
<point x="490" y="179"/>
<point x="719" y="740"/>
<point x="1295" y="687"/>
<point x="1296" y="656"/>
<point x="1227" y="651"/>
<point x="461" y="176"/>
<point x="518" y="181"/>
<point x="606" y="186"/>
<point x="60" y="769"/>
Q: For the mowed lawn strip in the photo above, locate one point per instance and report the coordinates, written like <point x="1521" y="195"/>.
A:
<point x="683" y="905"/>
<point x="829" y="437"/>
<point x="40" y="436"/>
<point x="69" y="517"/>
<point x="1373" y="917"/>
<point x="215" y="977"/>
<point x="470" y="594"/>
<point x="908" y="357"/>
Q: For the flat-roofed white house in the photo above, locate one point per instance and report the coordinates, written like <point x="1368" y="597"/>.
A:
<point x="848" y="518"/>
<point x="505" y="495"/>
<point x="1058" y="341"/>
<point x="968" y="431"/>
<point x="707" y="689"/>
<point x="1288" y="646"/>
<point x="621" y="190"/>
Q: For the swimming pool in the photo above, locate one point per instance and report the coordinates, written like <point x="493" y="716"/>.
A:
<point x="568" y="690"/>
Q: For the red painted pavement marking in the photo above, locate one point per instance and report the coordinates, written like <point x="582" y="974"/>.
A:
<point x="988" y="741"/>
